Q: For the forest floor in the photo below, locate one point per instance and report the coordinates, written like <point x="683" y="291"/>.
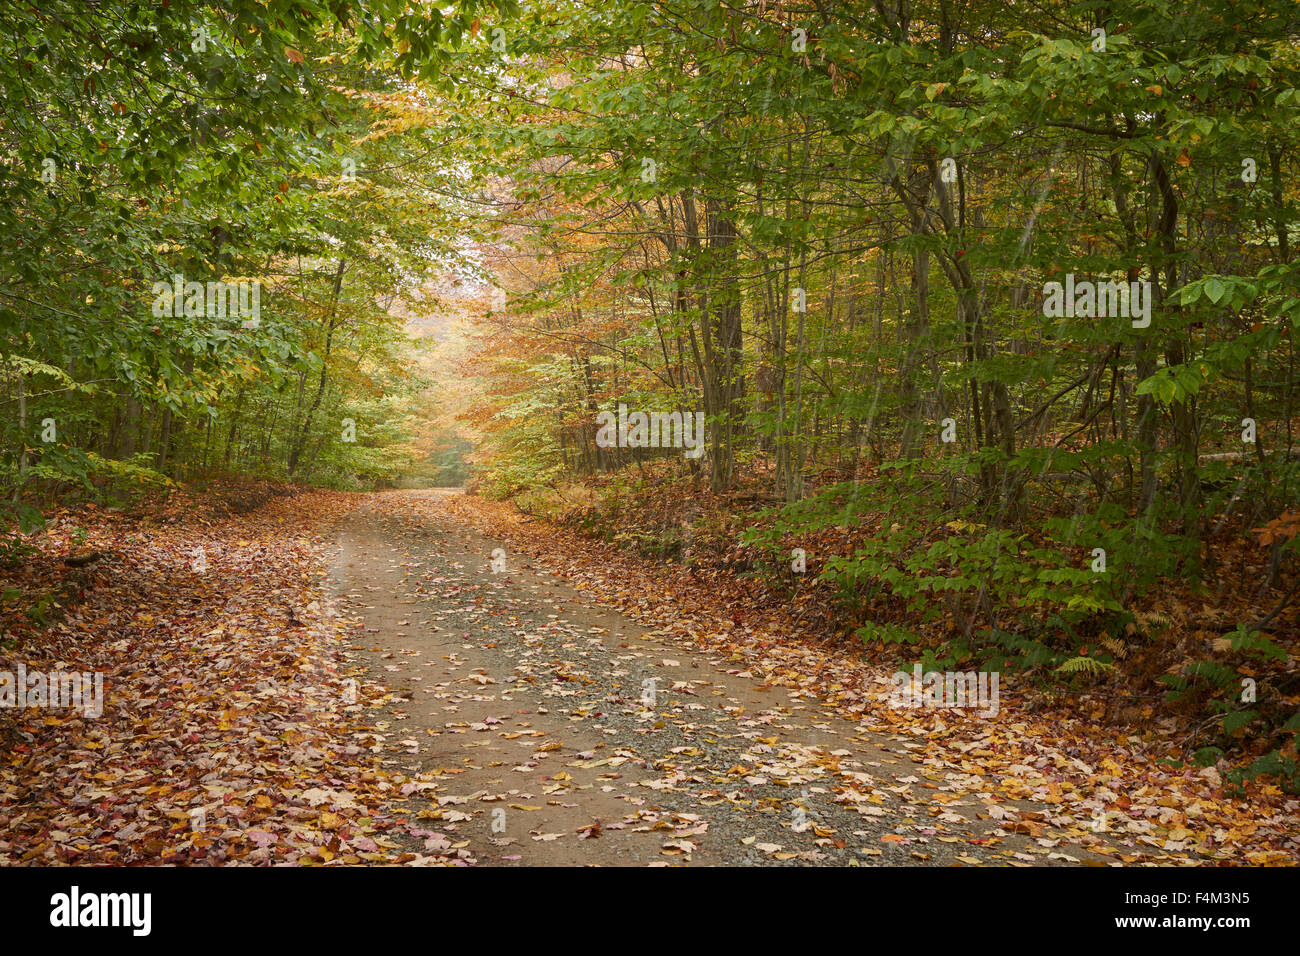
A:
<point x="322" y="678"/>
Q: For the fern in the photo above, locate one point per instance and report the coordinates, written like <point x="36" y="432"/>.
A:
<point x="1084" y="665"/>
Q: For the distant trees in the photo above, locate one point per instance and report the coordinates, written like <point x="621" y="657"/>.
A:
<point x="836" y="243"/>
<point x="228" y="145"/>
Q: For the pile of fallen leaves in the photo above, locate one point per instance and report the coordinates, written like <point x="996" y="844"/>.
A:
<point x="229" y="733"/>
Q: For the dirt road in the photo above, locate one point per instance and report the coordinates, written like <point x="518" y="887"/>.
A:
<point x="560" y="732"/>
